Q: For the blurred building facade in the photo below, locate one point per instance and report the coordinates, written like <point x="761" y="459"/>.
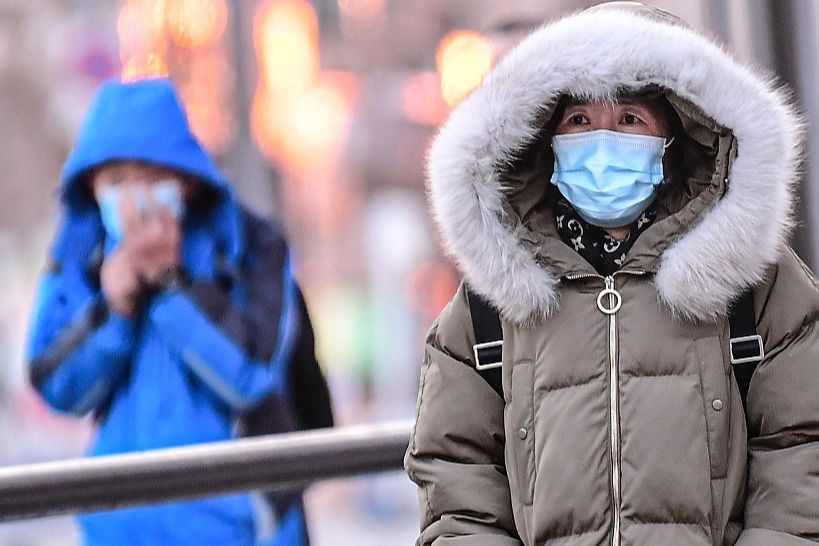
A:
<point x="321" y="113"/>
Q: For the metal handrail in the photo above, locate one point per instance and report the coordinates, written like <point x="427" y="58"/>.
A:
<point x="183" y="473"/>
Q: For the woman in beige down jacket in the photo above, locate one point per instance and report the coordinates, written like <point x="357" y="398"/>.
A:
<point x="621" y="422"/>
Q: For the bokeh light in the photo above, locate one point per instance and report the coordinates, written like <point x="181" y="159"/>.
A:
<point x="299" y="114"/>
<point x="286" y="38"/>
<point x="196" y="23"/>
<point x="307" y="131"/>
<point x="421" y="99"/>
<point x="463" y="59"/>
<point x="141" y="31"/>
<point x="150" y="66"/>
<point x="207" y="85"/>
<point x="182" y="39"/>
<point x="320" y="116"/>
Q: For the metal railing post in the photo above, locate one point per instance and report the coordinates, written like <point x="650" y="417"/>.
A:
<point x="152" y="477"/>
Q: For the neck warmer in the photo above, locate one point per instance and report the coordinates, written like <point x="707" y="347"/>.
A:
<point x="605" y="253"/>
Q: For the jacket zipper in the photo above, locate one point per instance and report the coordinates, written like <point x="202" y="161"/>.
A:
<point x="610" y="308"/>
<point x="614" y="409"/>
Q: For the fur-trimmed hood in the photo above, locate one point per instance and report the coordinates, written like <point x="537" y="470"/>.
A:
<point x="719" y="245"/>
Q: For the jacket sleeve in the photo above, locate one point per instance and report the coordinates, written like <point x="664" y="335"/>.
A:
<point x="239" y="347"/>
<point x="78" y="351"/>
<point x="456" y="452"/>
<point x="782" y="503"/>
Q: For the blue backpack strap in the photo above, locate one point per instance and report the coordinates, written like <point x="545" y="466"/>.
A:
<point x="488" y="348"/>
<point x="746" y="347"/>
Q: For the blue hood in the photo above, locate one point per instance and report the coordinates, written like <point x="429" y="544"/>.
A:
<point x="121" y="124"/>
<point x="138" y="121"/>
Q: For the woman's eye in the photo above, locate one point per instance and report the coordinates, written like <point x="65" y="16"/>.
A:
<point x="630" y="119"/>
<point x="577" y="119"/>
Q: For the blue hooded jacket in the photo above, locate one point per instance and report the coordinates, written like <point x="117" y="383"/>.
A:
<point x="197" y="357"/>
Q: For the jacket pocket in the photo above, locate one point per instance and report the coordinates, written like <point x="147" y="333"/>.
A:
<point x="715" y="377"/>
<point x="520" y="430"/>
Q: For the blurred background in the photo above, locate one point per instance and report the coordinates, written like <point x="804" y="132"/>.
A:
<point x="320" y="112"/>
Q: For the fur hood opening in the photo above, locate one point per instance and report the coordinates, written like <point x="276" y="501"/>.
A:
<point x="722" y="248"/>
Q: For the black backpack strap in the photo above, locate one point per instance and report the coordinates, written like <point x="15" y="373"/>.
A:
<point x="746" y="344"/>
<point x="308" y="386"/>
<point x="488" y="348"/>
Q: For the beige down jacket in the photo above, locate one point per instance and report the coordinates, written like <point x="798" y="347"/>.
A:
<point x="623" y="428"/>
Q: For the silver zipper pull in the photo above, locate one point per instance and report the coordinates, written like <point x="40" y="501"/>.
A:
<point x="615" y="300"/>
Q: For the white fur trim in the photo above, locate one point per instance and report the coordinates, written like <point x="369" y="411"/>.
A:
<point x="596" y="54"/>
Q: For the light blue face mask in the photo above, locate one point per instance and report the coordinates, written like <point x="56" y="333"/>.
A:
<point x="608" y="177"/>
<point x="166" y="193"/>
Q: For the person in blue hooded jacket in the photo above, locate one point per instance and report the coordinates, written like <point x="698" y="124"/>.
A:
<point x="168" y="312"/>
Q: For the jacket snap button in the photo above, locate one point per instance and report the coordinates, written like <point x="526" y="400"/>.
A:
<point x="717" y="404"/>
<point x="523" y="433"/>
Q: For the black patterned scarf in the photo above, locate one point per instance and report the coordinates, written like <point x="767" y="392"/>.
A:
<point x="605" y="253"/>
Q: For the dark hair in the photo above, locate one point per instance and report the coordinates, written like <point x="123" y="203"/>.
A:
<point x="687" y="159"/>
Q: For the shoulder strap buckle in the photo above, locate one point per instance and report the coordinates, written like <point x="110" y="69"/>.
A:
<point x="746" y="349"/>
<point x="488" y="355"/>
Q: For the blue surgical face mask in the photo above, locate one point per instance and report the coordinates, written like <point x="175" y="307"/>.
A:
<point x="165" y="193"/>
<point x="608" y="177"/>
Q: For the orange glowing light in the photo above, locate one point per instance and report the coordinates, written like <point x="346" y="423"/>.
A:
<point x="214" y="127"/>
<point x="317" y="122"/>
<point x="265" y="123"/>
<point x="285" y="34"/>
<point x="307" y="132"/>
<point x="463" y="59"/>
<point x="421" y="99"/>
<point x="157" y="9"/>
<point x="196" y="23"/>
<point x="206" y="92"/>
<point x="211" y="71"/>
<point x="320" y="117"/>
<point x="140" y="30"/>
<point x="361" y="9"/>
<point x="140" y="68"/>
